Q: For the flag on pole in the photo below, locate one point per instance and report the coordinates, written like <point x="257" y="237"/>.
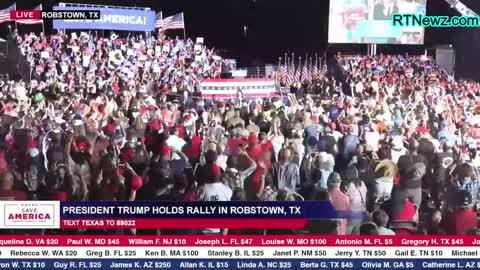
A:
<point x="158" y="20"/>
<point x="5" y="14"/>
<point x="32" y="21"/>
<point x="174" y="22"/>
<point x="316" y="71"/>
<point x="283" y="73"/>
<point x="298" y="72"/>
<point x="306" y="76"/>
<point x="290" y="75"/>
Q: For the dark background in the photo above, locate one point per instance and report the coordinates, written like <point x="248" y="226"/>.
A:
<point x="279" y="26"/>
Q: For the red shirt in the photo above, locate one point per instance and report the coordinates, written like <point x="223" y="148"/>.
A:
<point x="255" y="151"/>
<point x="341" y="202"/>
<point x="12" y="195"/>
<point x="459" y="221"/>
<point x="404" y="231"/>
<point x="195" y="148"/>
<point x="181" y="131"/>
<point x="256" y="180"/>
<point x="422" y="130"/>
<point x="232" y="146"/>
<point x="54" y="196"/>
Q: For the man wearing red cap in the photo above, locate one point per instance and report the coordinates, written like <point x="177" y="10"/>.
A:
<point x="462" y="218"/>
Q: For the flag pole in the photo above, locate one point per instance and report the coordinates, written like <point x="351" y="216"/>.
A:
<point x="184" y="32"/>
<point x="300" y="68"/>
<point x="310" y="66"/>
<point x="160" y="29"/>
<point x="279" y="81"/>
<point x="15" y="7"/>
<point x="278" y="69"/>
<point x="293" y="61"/>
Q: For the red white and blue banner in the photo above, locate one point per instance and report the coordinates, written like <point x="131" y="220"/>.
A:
<point x="232" y="88"/>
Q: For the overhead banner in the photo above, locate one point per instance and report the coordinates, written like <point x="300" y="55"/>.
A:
<point x="110" y="19"/>
<point x="249" y="88"/>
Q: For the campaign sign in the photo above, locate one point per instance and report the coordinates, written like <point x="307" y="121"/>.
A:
<point x="110" y="19"/>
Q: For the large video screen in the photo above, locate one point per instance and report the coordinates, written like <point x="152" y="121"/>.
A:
<point x="370" y="21"/>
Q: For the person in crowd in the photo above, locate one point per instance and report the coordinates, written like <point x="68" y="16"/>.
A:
<point x="462" y="218"/>
<point x="463" y="178"/>
<point x="286" y="175"/>
<point x="357" y="194"/>
<point x="380" y="218"/>
<point x="326" y="164"/>
<point x="403" y="214"/>
<point x="369" y="228"/>
<point x="340" y="200"/>
<point x="233" y="176"/>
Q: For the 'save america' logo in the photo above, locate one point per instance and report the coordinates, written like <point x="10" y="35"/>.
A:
<point x="29" y="214"/>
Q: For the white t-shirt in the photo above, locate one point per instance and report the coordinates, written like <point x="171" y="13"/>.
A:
<point x="375" y="86"/>
<point x="177" y="143"/>
<point x="222" y="161"/>
<point x="385" y="231"/>
<point x="216" y="192"/>
<point x="384" y="188"/>
<point x="372" y="139"/>
<point x="359" y="87"/>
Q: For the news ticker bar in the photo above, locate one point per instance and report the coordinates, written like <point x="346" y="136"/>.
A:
<point x="311" y="252"/>
<point x="54" y="14"/>
<point x="239" y="264"/>
<point x="239" y="241"/>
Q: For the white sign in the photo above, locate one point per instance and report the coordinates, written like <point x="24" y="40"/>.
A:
<point x="64" y="68"/>
<point x="199" y="40"/>
<point x="30" y="214"/>
<point x="86" y="60"/>
<point x="240" y="73"/>
<point x="197" y="48"/>
<point x="45" y="54"/>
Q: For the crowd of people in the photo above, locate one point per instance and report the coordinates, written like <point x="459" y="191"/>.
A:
<point x="121" y="119"/>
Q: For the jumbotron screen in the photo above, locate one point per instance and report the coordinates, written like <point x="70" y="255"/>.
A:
<point x="370" y="21"/>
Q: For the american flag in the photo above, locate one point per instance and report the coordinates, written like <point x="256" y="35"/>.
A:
<point x="158" y="20"/>
<point x="290" y="75"/>
<point x="173" y="22"/>
<point x="32" y="21"/>
<point x="316" y="71"/>
<point x="5" y="14"/>
<point x="298" y="73"/>
<point x="306" y="75"/>
<point x="282" y="73"/>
